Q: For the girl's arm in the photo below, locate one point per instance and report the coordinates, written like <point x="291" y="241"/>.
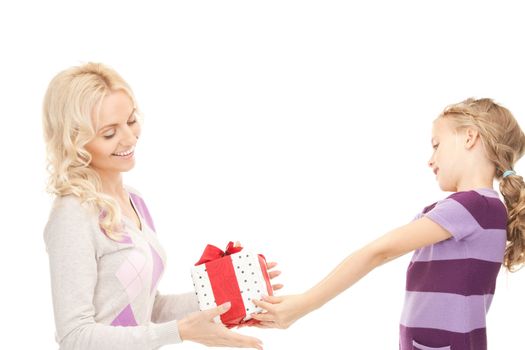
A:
<point x="281" y="312"/>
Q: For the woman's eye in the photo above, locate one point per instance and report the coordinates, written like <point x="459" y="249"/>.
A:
<point x="131" y="122"/>
<point x="435" y="146"/>
<point x="107" y="137"/>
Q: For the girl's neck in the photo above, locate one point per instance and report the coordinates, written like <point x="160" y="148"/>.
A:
<point x="472" y="185"/>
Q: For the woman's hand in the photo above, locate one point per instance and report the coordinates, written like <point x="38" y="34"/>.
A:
<point x="281" y="311"/>
<point x="199" y="327"/>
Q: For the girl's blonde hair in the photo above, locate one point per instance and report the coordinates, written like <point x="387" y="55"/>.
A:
<point x="72" y="98"/>
<point x="504" y="144"/>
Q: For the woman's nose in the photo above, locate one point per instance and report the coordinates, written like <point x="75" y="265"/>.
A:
<point x="130" y="135"/>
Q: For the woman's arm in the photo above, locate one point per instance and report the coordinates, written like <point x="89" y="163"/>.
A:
<point x="170" y="307"/>
<point x="283" y="311"/>
<point x="73" y="266"/>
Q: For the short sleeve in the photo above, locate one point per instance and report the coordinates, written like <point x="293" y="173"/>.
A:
<point x="459" y="213"/>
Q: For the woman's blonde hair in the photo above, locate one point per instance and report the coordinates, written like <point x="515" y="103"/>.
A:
<point x="72" y="98"/>
<point x="504" y="144"/>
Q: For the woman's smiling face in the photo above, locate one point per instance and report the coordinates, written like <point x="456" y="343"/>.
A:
<point x="116" y="133"/>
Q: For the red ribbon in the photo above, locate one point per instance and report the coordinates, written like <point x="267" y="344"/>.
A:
<point x="211" y="253"/>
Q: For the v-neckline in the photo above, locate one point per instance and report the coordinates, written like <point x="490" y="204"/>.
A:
<point x="140" y="229"/>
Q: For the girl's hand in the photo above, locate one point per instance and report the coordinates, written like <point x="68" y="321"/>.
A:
<point x="200" y="328"/>
<point x="274" y="274"/>
<point x="269" y="266"/>
<point x="281" y="311"/>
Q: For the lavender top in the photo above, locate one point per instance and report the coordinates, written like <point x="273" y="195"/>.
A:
<point x="450" y="285"/>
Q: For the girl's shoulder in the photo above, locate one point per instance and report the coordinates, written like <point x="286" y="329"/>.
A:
<point x="484" y="206"/>
<point x="479" y="198"/>
<point x="470" y="199"/>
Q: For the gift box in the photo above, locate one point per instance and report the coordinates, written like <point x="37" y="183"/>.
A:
<point x="233" y="275"/>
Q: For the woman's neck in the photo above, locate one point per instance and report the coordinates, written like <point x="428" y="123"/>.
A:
<point x="113" y="185"/>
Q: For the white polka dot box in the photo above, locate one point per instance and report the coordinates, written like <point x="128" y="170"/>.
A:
<point x="236" y="276"/>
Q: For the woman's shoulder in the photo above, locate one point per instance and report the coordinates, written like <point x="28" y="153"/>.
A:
<point x="136" y="196"/>
<point x="132" y="190"/>
<point x="69" y="215"/>
<point x="71" y="206"/>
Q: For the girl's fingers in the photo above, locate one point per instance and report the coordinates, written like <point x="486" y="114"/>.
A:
<point x="271" y="265"/>
<point x="264" y="325"/>
<point x="274" y="274"/>
<point x="268" y="325"/>
<point x="264" y="317"/>
<point x="272" y="299"/>
<point x="263" y="305"/>
<point x="277" y="286"/>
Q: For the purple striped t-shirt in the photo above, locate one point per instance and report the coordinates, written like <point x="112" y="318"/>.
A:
<point x="450" y="284"/>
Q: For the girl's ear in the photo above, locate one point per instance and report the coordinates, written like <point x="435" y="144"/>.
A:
<point x="472" y="136"/>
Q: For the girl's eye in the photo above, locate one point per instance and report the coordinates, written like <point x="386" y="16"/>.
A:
<point x="435" y="146"/>
<point x="107" y="137"/>
<point x="131" y="122"/>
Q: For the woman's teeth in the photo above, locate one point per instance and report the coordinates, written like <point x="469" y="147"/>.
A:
<point x="123" y="154"/>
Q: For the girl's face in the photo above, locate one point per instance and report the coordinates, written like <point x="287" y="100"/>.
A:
<point x="117" y="131"/>
<point x="445" y="161"/>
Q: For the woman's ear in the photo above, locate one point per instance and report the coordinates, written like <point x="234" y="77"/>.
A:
<point x="472" y="136"/>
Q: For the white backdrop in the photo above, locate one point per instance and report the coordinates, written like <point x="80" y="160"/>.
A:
<point x="300" y="128"/>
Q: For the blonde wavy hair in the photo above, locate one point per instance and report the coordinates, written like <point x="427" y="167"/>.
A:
<point x="72" y="98"/>
<point x="504" y="144"/>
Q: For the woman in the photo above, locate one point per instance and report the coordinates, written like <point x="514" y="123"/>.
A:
<point x="105" y="258"/>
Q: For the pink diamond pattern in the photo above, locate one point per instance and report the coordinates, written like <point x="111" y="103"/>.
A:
<point x="132" y="274"/>
<point x="158" y="268"/>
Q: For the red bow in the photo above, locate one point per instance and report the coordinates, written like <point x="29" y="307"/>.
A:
<point x="211" y="253"/>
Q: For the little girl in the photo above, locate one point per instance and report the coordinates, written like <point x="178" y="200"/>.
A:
<point x="460" y="242"/>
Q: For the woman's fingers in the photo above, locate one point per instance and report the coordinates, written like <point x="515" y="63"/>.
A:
<point x="245" y="341"/>
<point x="226" y="337"/>
<point x="219" y="310"/>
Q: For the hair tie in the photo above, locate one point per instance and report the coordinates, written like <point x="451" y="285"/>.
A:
<point x="508" y="172"/>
